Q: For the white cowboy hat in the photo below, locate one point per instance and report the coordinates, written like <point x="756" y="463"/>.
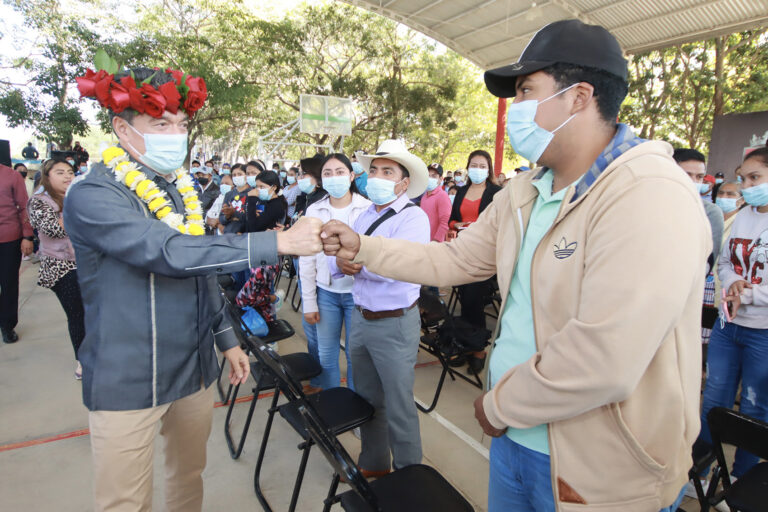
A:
<point x="395" y="150"/>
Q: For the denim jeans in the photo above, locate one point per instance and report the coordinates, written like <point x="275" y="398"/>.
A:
<point x="310" y="331"/>
<point x="521" y="480"/>
<point x="335" y="308"/>
<point x="736" y="353"/>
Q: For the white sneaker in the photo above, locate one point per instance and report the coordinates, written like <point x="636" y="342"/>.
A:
<point x="79" y="371"/>
<point x="280" y="298"/>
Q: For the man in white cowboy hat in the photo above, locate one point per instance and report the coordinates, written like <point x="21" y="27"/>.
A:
<point x="385" y="326"/>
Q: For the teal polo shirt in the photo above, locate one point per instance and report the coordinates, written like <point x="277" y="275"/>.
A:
<point x="516" y="343"/>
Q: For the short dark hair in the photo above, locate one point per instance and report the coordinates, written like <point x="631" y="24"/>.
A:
<point x="195" y="162"/>
<point x="687" y="154"/>
<point x="208" y="162"/>
<point x="16" y="167"/>
<point x="159" y="78"/>
<point x="759" y="154"/>
<point x="610" y="90"/>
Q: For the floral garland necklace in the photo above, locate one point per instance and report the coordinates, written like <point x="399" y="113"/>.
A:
<point x="128" y="173"/>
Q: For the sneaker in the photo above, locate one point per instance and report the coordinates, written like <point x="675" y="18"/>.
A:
<point x="10" y="336"/>
<point x="280" y="294"/>
<point x="356" y="432"/>
<point x="79" y="371"/>
<point x="690" y="489"/>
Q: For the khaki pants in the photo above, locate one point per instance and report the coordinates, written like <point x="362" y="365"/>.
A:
<point x="122" y="444"/>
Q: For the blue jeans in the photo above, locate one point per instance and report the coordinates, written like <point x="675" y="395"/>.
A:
<point x="310" y="331"/>
<point x="521" y="480"/>
<point x="335" y="308"/>
<point x="736" y="353"/>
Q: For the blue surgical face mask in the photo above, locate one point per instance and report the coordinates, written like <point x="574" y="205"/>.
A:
<point x="357" y="168"/>
<point x="756" y="196"/>
<point x="477" y="175"/>
<point x="381" y="191"/>
<point x="164" y="152"/>
<point x="432" y="184"/>
<point x="337" y="186"/>
<point x="283" y="174"/>
<point x="264" y="194"/>
<point x="727" y="204"/>
<point x="291" y="180"/>
<point x="225" y="171"/>
<point x="306" y="185"/>
<point x="224" y="189"/>
<point x="239" y="181"/>
<point x="251" y="181"/>
<point x="718" y="181"/>
<point x="83" y="168"/>
<point x="703" y="188"/>
<point x="528" y="139"/>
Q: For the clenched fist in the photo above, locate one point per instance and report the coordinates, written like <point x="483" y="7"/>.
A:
<point x="303" y="239"/>
<point x="340" y="240"/>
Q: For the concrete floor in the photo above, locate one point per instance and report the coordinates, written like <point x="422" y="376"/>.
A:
<point x="45" y="452"/>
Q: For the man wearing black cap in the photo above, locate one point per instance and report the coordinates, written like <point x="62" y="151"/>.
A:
<point x="595" y="372"/>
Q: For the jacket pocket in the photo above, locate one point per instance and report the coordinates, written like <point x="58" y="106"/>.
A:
<point x="633" y="446"/>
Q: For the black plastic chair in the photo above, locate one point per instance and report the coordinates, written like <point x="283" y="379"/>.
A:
<point x="416" y="488"/>
<point x="750" y="492"/>
<point x="340" y="410"/>
<point x="436" y="322"/>
<point x="300" y="364"/>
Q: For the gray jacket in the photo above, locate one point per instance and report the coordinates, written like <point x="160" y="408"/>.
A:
<point x="152" y="308"/>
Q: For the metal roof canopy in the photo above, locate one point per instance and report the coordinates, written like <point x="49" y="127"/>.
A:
<point x="493" y="33"/>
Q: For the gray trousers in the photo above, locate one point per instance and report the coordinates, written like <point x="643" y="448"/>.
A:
<point x="383" y="354"/>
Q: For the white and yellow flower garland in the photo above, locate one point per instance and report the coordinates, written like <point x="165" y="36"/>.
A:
<point x="128" y="173"/>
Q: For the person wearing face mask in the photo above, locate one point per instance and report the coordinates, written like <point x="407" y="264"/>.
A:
<point x="153" y="311"/>
<point x="595" y="372"/>
<point x="212" y="217"/>
<point x="738" y="346"/>
<point x="385" y="327"/>
<point x="265" y="207"/>
<point x="309" y="184"/>
<point x="58" y="270"/>
<point x="291" y="190"/>
<point x="207" y="190"/>
<point x="470" y="201"/>
<point x="458" y="178"/>
<point x="327" y="301"/>
<point x="232" y="216"/>
<point x="694" y="165"/>
<point x="436" y="204"/>
<point x="730" y="201"/>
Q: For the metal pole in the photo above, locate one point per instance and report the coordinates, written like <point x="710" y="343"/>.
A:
<point x="501" y="124"/>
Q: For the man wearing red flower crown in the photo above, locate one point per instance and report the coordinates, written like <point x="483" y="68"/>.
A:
<point x="152" y="308"/>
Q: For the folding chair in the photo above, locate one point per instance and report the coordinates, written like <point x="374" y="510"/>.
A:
<point x="416" y="488"/>
<point x="340" y="410"/>
<point x="302" y="365"/>
<point x="750" y="492"/>
<point x="437" y="326"/>
<point x="228" y="293"/>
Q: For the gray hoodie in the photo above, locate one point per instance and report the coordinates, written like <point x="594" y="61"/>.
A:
<point x="152" y="307"/>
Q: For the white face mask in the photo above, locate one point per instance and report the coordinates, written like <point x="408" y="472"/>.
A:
<point x="239" y="181"/>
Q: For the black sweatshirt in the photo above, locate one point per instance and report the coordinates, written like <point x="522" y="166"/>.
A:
<point x="273" y="214"/>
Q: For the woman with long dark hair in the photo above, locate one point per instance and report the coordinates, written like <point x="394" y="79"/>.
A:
<point x="327" y="301"/>
<point x="58" y="270"/>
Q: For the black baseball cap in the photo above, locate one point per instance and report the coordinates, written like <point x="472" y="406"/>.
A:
<point x="565" y="41"/>
<point x="437" y="168"/>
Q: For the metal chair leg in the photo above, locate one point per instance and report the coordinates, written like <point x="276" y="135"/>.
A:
<point x="235" y="452"/>
<point x="262" y="451"/>
<point x="306" y="446"/>
<point x="331" y="498"/>
<point x="432" y="406"/>
<point x="224" y="397"/>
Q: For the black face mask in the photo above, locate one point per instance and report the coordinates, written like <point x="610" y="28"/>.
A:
<point x="203" y="181"/>
<point x="23" y="174"/>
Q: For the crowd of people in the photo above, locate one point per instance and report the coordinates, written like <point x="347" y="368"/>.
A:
<point x="603" y="258"/>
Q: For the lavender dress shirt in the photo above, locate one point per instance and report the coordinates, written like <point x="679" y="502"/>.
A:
<point x="372" y="291"/>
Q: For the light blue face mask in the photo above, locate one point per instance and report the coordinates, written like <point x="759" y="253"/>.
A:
<point x="226" y="171"/>
<point x="337" y="186"/>
<point x="306" y="185"/>
<point x="283" y="174"/>
<point x="432" y="184"/>
<point x="264" y="194"/>
<point x="291" y="180"/>
<point x="718" y="181"/>
<point x="756" y="196"/>
<point x="477" y="175"/>
<point x="381" y="191"/>
<point x="224" y="189"/>
<point x="164" y="152"/>
<point x="251" y="181"/>
<point x="727" y="204"/>
<point x="703" y="188"/>
<point x="528" y="139"/>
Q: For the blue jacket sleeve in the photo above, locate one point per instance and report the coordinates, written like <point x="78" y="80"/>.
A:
<point x="101" y="218"/>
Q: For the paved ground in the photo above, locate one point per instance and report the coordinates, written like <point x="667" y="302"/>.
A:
<point x="44" y="446"/>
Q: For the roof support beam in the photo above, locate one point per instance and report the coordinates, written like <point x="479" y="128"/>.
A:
<point x="463" y="13"/>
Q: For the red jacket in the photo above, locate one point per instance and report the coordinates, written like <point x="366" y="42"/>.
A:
<point x="14" y="222"/>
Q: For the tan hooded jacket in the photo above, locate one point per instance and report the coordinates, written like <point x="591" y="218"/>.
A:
<point x="617" y="294"/>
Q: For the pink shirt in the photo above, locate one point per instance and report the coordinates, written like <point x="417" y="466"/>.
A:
<point x="438" y="208"/>
<point x="14" y="222"/>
